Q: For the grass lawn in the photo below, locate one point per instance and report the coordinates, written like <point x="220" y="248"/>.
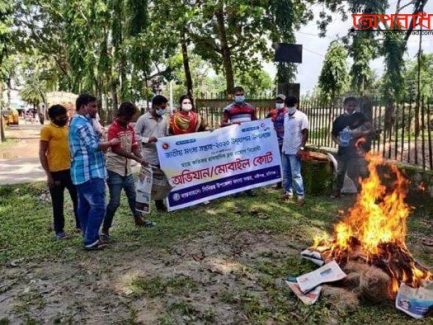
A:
<point x="8" y="144"/>
<point x="217" y="263"/>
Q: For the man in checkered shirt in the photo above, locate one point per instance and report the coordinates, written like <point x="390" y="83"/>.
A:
<point x="88" y="169"/>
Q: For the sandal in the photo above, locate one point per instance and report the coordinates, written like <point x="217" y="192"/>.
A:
<point x="149" y="224"/>
<point x="427" y="242"/>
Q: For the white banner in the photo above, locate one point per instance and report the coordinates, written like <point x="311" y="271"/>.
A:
<point x="208" y="165"/>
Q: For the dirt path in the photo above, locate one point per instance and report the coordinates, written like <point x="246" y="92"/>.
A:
<point x="200" y="282"/>
<point x="19" y="162"/>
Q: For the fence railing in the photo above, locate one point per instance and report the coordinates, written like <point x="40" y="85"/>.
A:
<point x="403" y="131"/>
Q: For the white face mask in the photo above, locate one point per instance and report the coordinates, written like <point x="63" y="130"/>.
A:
<point x="160" y="111"/>
<point x="186" y="107"/>
<point x="239" y="99"/>
<point x="279" y="105"/>
<point x="291" y="110"/>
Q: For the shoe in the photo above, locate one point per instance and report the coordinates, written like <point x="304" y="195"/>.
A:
<point x="97" y="245"/>
<point x="287" y="196"/>
<point x="139" y="221"/>
<point x="160" y="206"/>
<point x="336" y="195"/>
<point x="61" y="235"/>
<point x="104" y="237"/>
<point x="149" y="224"/>
<point x="301" y="201"/>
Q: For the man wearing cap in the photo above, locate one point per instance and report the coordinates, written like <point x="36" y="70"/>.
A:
<point x="277" y="116"/>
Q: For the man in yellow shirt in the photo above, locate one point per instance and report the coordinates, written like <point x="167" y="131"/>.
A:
<point x="56" y="161"/>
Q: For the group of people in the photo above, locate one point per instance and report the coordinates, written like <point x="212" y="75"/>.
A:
<point x="77" y="156"/>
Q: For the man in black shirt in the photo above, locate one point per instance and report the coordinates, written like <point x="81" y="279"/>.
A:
<point x="350" y="131"/>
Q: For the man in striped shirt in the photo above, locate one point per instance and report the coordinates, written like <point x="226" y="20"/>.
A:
<point x="239" y="111"/>
<point x="88" y="169"/>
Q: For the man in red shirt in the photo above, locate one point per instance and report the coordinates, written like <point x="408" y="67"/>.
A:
<point x="239" y="111"/>
<point x="119" y="166"/>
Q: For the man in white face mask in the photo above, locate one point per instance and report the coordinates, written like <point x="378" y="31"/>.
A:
<point x="149" y="127"/>
<point x="294" y="140"/>
<point x="239" y="111"/>
<point x="277" y="116"/>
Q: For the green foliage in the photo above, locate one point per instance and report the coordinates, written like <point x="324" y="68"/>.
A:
<point x="363" y="51"/>
<point x="426" y="77"/>
<point x="394" y="47"/>
<point x="334" y="76"/>
<point x="255" y="82"/>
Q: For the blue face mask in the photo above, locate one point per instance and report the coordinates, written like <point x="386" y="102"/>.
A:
<point x="239" y="99"/>
<point x="160" y="111"/>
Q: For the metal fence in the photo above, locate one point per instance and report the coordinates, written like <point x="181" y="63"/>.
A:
<point x="403" y="131"/>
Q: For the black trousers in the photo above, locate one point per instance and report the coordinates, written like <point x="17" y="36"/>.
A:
<point x="62" y="180"/>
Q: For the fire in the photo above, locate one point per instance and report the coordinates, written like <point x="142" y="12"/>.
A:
<point x="374" y="229"/>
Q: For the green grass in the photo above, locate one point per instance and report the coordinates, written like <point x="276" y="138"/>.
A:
<point x="8" y="143"/>
<point x="26" y="222"/>
<point x="25" y="235"/>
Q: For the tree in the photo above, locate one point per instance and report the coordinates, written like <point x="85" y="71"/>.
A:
<point x="362" y="45"/>
<point x="426" y="77"/>
<point x="6" y="48"/>
<point x="257" y="83"/>
<point x="287" y="16"/>
<point x="334" y="76"/>
<point x="230" y="34"/>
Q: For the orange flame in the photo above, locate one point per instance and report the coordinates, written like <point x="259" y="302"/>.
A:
<point x="375" y="228"/>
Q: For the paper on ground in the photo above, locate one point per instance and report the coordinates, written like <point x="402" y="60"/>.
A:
<point x="313" y="256"/>
<point x="308" y="298"/>
<point x="415" y="302"/>
<point x="330" y="272"/>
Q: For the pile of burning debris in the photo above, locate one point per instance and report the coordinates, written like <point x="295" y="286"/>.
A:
<point x="367" y="254"/>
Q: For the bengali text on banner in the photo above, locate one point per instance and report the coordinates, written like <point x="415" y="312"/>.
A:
<point x="208" y="165"/>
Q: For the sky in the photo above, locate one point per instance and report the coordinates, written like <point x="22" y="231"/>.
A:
<point x="315" y="47"/>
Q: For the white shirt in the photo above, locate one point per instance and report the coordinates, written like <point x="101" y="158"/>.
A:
<point x="293" y="126"/>
<point x="147" y="126"/>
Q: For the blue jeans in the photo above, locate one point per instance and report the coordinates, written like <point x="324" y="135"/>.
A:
<point x="292" y="178"/>
<point x="91" y="208"/>
<point x="116" y="183"/>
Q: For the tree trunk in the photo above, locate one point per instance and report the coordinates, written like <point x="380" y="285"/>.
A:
<point x="8" y="91"/>
<point x="113" y="99"/>
<point x="185" y="57"/>
<point x="2" y="131"/>
<point x="226" y="52"/>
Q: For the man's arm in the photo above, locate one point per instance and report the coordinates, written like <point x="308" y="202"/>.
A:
<point x="253" y="115"/>
<point x="139" y="126"/>
<point x="43" y="149"/>
<point x="364" y="130"/>
<point x="226" y="119"/>
<point x="304" y="137"/>
<point x="336" y="140"/>
<point x="334" y="132"/>
<point x="121" y="152"/>
<point x="91" y="142"/>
